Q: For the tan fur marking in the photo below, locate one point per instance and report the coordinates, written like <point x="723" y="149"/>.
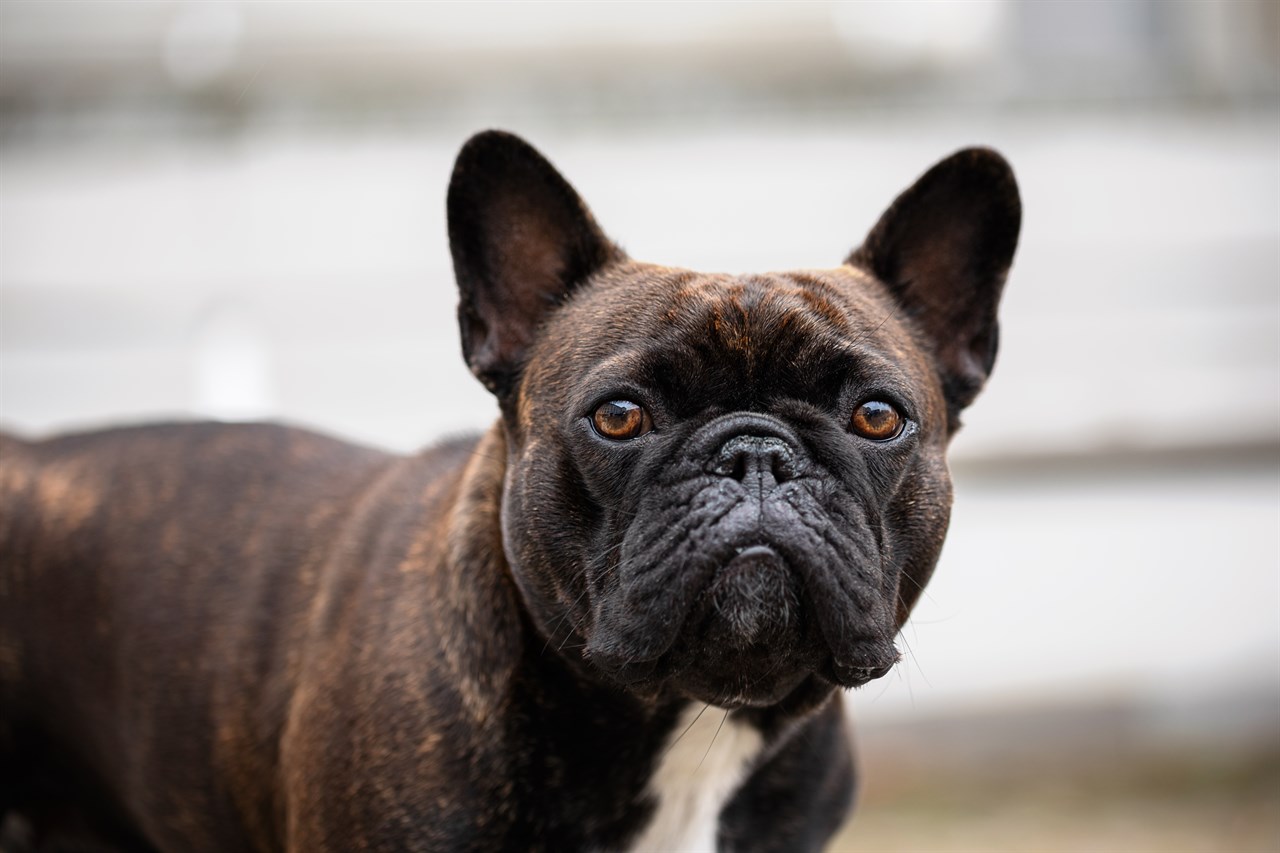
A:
<point x="63" y="495"/>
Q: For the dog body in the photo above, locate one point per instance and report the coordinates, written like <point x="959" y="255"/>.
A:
<point x="619" y="619"/>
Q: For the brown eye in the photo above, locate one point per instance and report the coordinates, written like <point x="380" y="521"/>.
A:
<point x="621" y="420"/>
<point x="878" y="421"/>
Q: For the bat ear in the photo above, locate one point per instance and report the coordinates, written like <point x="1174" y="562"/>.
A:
<point x="522" y="240"/>
<point x="943" y="249"/>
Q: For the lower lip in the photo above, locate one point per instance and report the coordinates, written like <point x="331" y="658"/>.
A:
<point x="755" y="557"/>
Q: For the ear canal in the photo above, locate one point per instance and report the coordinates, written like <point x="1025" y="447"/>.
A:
<point x="521" y="240"/>
<point x="943" y="249"/>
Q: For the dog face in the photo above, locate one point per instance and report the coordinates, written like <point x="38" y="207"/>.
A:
<point x="727" y="488"/>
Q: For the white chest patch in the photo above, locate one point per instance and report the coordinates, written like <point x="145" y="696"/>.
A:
<point x="706" y="757"/>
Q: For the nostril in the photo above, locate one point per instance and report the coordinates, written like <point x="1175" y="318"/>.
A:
<point x="756" y="458"/>
<point x="783" y="468"/>
<point x="778" y="461"/>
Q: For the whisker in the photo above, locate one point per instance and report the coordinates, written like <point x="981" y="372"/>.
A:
<point x="671" y="745"/>
<point x="915" y="660"/>
<point x="713" y="740"/>
<point x="559" y="622"/>
<point x="880" y="325"/>
<point x="924" y="592"/>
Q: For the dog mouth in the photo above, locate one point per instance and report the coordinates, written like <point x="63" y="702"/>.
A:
<point x="752" y="599"/>
<point x="749" y="639"/>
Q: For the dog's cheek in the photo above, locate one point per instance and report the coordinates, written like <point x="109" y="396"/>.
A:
<point x="523" y="515"/>
<point x="547" y="527"/>
<point x="918" y="518"/>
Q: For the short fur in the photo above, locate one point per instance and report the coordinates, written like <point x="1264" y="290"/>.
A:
<point x="218" y="637"/>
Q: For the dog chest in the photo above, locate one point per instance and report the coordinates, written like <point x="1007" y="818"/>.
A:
<point x="706" y="757"/>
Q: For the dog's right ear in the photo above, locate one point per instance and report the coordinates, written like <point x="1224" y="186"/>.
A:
<point x="522" y="240"/>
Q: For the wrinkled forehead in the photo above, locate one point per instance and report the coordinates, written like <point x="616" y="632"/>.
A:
<point x="750" y="311"/>
<point x="731" y="334"/>
<point x="787" y="315"/>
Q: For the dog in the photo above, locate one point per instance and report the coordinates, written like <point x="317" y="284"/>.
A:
<point x="620" y="619"/>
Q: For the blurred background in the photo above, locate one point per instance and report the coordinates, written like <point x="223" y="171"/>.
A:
<point x="236" y="210"/>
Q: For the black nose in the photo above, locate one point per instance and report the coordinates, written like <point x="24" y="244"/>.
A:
<point x="756" y="460"/>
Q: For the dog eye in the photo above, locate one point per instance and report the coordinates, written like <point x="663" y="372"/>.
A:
<point x="620" y="420"/>
<point x="877" y="420"/>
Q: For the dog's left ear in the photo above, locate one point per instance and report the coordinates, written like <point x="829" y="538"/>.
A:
<point x="521" y="239"/>
<point x="943" y="248"/>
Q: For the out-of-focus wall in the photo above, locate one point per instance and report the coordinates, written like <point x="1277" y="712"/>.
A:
<point x="236" y="210"/>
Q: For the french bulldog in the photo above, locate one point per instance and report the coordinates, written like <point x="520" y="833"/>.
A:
<point x="620" y="619"/>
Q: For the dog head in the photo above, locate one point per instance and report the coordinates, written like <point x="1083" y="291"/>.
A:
<point x="726" y="487"/>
